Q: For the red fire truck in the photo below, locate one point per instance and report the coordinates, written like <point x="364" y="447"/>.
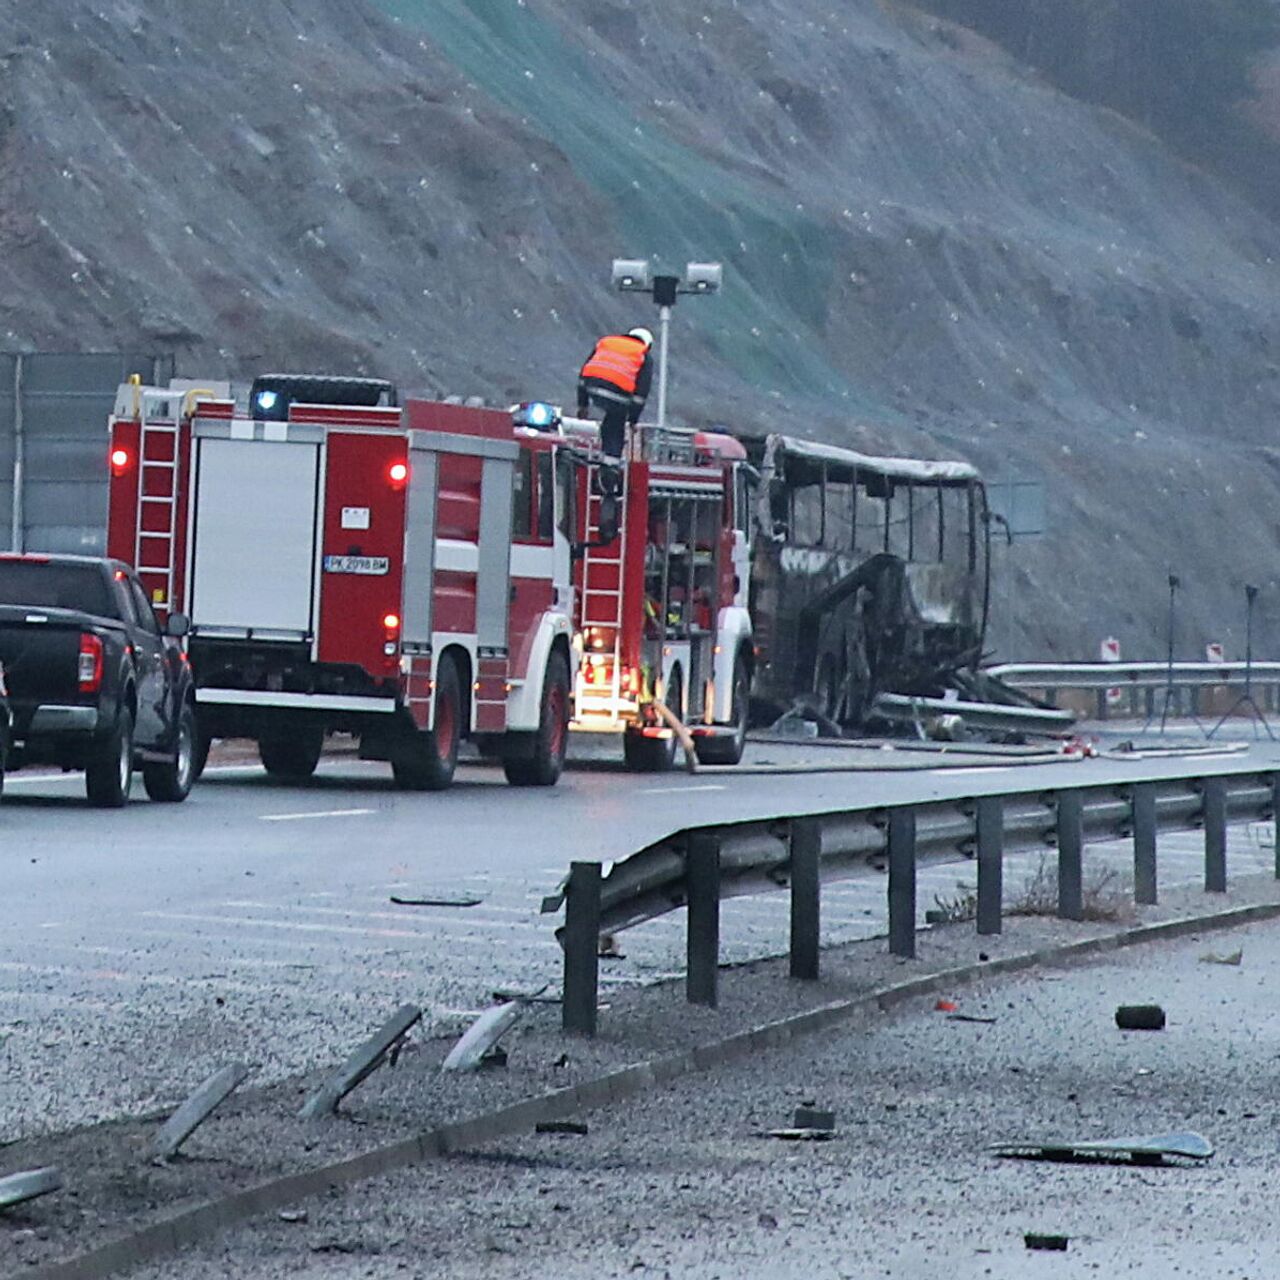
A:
<point x="661" y="608"/>
<point x="349" y="565"/>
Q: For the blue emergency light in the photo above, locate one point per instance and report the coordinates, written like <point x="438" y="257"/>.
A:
<point x="537" y="414"/>
<point x="267" y="400"/>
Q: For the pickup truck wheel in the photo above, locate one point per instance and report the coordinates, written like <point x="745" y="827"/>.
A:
<point x="291" y="757"/>
<point x="109" y="775"/>
<point x="172" y="781"/>
<point x="426" y="762"/>
<point x="728" y="748"/>
<point x="543" y="767"/>
<point x="201" y="758"/>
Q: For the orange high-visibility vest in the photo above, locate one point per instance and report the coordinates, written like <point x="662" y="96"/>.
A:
<point x="617" y="359"/>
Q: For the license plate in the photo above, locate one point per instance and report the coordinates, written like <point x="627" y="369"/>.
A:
<point x="370" y="565"/>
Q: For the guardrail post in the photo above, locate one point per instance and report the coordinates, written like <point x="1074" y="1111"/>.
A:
<point x="1275" y="817"/>
<point x="806" y="896"/>
<point x="702" y="885"/>
<point x="581" y="949"/>
<point x="1215" y="835"/>
<point x="990" y="825"/>
<point x="1070" y="856"/>
<point x="902" y="882"/>
<point x="1102" y="704"/>
<point x="1143" y="803"/>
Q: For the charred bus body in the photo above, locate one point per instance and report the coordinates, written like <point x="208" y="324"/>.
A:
<point x="870" y="575"/>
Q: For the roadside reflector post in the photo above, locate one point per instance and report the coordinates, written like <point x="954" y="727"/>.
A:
<point x="1143" y="802"/>
<point x="581" y="949"/>
<point x="1070" y="856"/>
<point x="902" y="882"/>
<point x="1215" y="835"/>
<point x="806" y="897"/>
<point x="702" y="885"/>
<point x="989" y="820"/>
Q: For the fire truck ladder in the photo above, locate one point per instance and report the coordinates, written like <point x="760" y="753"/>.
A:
<point x="154" y="545"/>
<point x="603" y="572"/>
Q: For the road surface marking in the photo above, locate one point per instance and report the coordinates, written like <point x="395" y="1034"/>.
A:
<point x="663" y="791"/>
<point x="315" y="813"/>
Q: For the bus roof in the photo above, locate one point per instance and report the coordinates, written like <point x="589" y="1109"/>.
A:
<point x="794" y="455"/>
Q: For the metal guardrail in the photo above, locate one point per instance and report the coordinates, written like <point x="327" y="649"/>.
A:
<point x="1148" y="679"/>
<point x="701" y="866"/>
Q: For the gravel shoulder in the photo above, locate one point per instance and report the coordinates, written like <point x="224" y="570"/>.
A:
<point x="112" y="1189"/>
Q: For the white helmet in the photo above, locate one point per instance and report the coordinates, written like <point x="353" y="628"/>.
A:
<point x="643" y="334"/>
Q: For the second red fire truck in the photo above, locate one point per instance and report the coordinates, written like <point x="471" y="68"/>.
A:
<point x="422" y="573"/>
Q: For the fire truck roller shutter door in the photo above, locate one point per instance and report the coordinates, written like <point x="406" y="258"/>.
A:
<point x="420" y="548"/>
<point x="255" y="531"/>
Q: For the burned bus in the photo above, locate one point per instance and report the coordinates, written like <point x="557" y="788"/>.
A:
<point x="869" y="575"/>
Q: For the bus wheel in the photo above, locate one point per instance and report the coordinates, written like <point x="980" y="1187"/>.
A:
<point x="426" y="762"/>
<point x="550" y="743"/>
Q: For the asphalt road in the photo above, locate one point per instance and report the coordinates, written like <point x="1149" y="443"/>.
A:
<point x="143" y="948"/>
<point x="683" y="1181"/>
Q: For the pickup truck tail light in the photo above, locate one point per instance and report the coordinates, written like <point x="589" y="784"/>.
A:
<point x="90" y="663"/>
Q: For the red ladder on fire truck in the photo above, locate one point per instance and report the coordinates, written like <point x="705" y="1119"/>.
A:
<point x="603" y="578"/>
<point x="158" y="460"/>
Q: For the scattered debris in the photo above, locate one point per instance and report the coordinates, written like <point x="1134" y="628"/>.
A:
<point x="1231" y="957"/>
<point x="809" y="1116"/>
<point x="442" y="900"/>
<point x="482" y="1036"/>
<point x="968" y="1017"/>
<point x="800" y="1135"/>
<point x="525" y="997"/>
<point x="575" y="1127"/>
<point x="609" y="949"/>
<point x="496" y="1057"/>
<point x="364" y="1060"/>
<point x="293" y="1215"/>
<point x="18" y="1188"/>
<point x="1053" y="1243"/>
<point x="1140" y="1017"/>
<point x="1154" y="1149"/>
<point x="945" y="1006"/>
<point x="767" y="1221"/>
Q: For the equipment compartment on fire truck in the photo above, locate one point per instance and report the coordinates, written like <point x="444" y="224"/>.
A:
<point x="348" y="566"/>
<point x="661" y="588"/>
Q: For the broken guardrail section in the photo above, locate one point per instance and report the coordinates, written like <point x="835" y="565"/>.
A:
<point x="361" y="1064"/>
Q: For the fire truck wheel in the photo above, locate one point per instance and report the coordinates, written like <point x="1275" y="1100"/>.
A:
<point x="292" y="757"/>
<point x="728" y="748"/>
<point x="172" y="781"/>
<point x="655" y="755"/>
<point x="427" y="761"/>
<point x="543" y="767"/>
<point x="108" y="777"/>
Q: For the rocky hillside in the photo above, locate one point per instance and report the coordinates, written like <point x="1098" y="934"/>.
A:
<point x="928" y="247"/>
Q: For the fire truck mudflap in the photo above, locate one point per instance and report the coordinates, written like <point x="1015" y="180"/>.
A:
<point x="347" y="567"/>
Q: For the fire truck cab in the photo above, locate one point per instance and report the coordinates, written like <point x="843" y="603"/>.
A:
<point x="660" y="573"/>
<point x="350" y="565"/>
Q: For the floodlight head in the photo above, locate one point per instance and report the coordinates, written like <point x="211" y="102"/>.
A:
<point x="703" y="277"/>
<point x="631" y="274"/>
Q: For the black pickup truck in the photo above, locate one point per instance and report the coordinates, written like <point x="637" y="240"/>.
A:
<point x="94" y="681"/>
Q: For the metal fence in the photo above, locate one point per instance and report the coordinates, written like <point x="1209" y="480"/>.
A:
<point x="699" y="867"/>
<point x="53" y="454"/>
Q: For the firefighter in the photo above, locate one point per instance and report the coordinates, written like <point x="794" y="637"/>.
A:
<point x="615" y="379"/>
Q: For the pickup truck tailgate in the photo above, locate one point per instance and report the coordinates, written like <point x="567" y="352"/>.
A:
<point x="40" y="651"/>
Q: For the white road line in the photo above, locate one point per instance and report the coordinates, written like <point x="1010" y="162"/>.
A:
<point x="315" y="813"/>
<point x="512" y="934"/>
<point x="671" y="791"/>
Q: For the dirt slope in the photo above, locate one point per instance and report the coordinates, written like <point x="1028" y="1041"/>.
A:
<point x="926" y="248"/>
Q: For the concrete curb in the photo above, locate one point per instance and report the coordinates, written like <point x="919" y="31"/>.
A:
<point x="189" y="1226"/>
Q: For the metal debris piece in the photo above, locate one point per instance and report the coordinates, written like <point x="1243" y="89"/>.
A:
<point x="810" y="1117"/>
<point x="1140" y="1017"/>
<point x="482" y="1035"/>
<point x="1053" y="1243"/>
<point x="968" y="1017"/>
<point x="292" y="1215"/>
<point x="574" y="1127"/>
<point x="362" y="1063"/>
<point x="800" y="1135"/>
<point x="18" y="1188"/>
<point x="1231" y="957"/>
<point x="1152" y="1149"/>
<point x="609" y="949"/>
<point x="442" y="900"/>
<point x="197" y="1109"/>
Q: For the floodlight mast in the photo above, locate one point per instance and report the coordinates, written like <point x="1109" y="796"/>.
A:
<point x="633" y="275"/>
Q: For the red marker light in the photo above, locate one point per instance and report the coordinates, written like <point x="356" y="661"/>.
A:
<point x="391" y="622"/>
<point x="398" y="473"/>
<point x="119" y="461"/>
